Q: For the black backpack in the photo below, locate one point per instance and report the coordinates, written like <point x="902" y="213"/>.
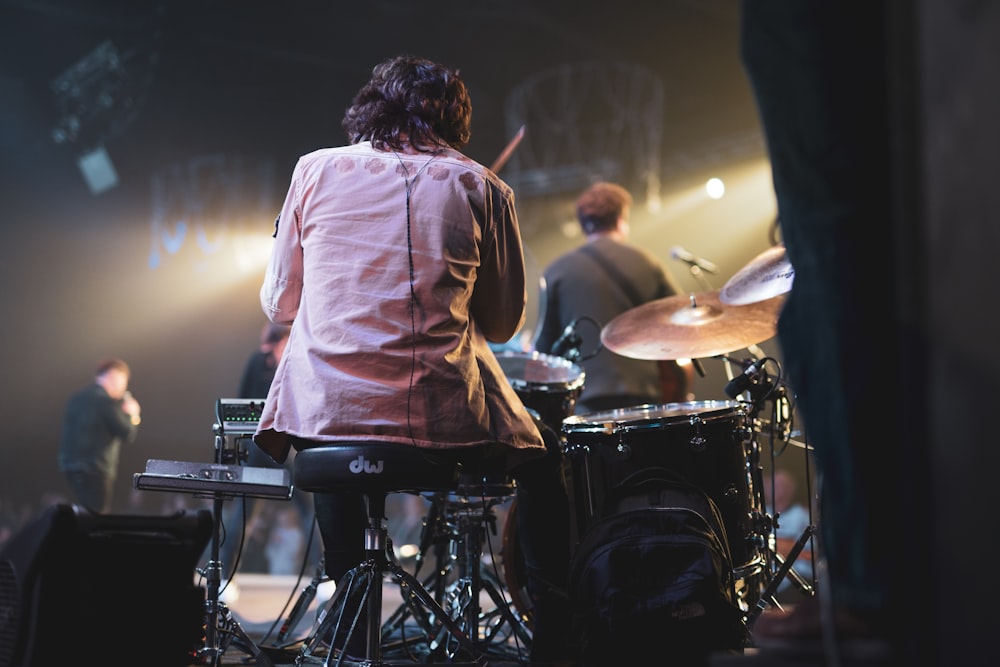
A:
<point x="654" y="572"/>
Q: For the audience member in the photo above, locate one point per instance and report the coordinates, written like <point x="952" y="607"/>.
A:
<point x="255" y="383"/>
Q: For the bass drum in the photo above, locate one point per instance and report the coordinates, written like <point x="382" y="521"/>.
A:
<point x="708" y="444"/>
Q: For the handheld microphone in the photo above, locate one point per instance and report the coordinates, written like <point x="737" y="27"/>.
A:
<point x="683" y="255"/>
<point x="741" y="382"/>
<point x="568" y="343"/>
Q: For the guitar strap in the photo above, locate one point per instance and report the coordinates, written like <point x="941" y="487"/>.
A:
<point x="626" y="286"/>
<point x="616" y="275"/>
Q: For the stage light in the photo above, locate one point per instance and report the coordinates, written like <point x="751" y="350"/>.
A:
<point x="715" y="188"/>
<point x="98" y="170"/>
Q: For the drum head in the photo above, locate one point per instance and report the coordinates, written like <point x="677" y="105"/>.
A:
<point x="645" y="416"/>
<point x="540" y="372"/>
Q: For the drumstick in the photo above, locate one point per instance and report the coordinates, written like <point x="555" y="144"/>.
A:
<point x="507" y="151"/>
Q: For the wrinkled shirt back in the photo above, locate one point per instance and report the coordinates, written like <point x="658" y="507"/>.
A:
<point x="395" y="270"/>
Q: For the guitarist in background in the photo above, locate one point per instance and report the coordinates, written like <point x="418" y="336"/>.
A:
<point x="255" y="383"/>
<point x="592" y="284"/>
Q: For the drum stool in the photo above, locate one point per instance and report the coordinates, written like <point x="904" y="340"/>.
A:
<point x="376" y="469"/>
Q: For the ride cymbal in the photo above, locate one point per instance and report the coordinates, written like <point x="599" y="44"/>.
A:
<point x="691" y="326"/>
<point x="766" y="275"/>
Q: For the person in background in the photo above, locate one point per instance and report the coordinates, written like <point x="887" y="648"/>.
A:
<point x="259" y="370"/>
<point x="397" y="259"/>
<point x="255" y="383"/>
<point x="97" y="421"/>
<point x="592" y="284"/>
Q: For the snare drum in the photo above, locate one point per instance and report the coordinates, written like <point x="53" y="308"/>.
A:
<point x="708" y="444"/>
<point x="546" y="384"/>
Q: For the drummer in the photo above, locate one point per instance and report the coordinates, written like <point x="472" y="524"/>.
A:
<point x="592" y="284"/>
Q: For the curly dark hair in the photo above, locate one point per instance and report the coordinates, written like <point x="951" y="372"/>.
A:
<point x="410" y="99"/>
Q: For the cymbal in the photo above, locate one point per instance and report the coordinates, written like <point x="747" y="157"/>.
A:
<point x="766" y="275"/>
<point x="691" y="326"/>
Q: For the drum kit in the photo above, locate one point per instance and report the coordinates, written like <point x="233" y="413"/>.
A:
<point x="711" y="444"/>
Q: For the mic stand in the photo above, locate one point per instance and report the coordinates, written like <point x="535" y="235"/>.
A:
<point x="699" y="275"/>
<point x="759" y="391"/>
<point x="221" y="628"/>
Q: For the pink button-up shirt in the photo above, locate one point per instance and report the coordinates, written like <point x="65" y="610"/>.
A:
<point x="394" y="271"/>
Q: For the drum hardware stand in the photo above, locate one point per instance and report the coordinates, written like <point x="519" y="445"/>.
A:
<point x="463" y="595"/>
<point x="223" y="478"/>
<point x="362" y="587"/>
<point x="455" y="528"/>
<point x="221" y="628"/>
<point x="759" y="386"/>
<point x="306" y="596"/>
<point x="767" y="597"/>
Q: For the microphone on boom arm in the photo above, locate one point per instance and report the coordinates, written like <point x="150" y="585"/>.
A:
<point x="568" y="344"/>
<point x="683" y="255"/>
<point x="751" y="375"/>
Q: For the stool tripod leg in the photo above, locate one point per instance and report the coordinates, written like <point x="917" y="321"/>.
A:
<point x="362" y="578"/>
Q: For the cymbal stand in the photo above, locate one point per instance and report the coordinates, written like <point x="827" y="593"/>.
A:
<point x="767" y="597"/>
<point x="221" y="628"/>
<point x="761" y="388"/>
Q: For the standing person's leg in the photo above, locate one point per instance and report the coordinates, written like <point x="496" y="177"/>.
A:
<point x="823" y="101"/>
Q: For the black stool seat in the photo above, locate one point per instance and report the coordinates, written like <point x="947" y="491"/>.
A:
<point x="374" y="467"/>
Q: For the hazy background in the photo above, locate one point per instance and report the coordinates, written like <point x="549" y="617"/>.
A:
<point x="201" y="108"/>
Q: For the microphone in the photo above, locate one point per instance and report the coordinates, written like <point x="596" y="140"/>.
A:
<point x="683" y="255"/>
<point x="741" y="382"/>
<point x="568" y="344"/>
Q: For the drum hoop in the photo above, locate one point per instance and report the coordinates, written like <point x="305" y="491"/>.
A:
<point x="721" y="411"/>
<point x="552" y="387"/>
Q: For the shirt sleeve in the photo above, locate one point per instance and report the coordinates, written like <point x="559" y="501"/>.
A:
<point x="282" y="289"/>
<point x="500" y="296"/>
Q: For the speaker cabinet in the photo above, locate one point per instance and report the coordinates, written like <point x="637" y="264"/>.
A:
<point x="78" y="587"/>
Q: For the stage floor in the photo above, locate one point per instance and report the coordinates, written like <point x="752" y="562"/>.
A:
<point x="260" y="603"/>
